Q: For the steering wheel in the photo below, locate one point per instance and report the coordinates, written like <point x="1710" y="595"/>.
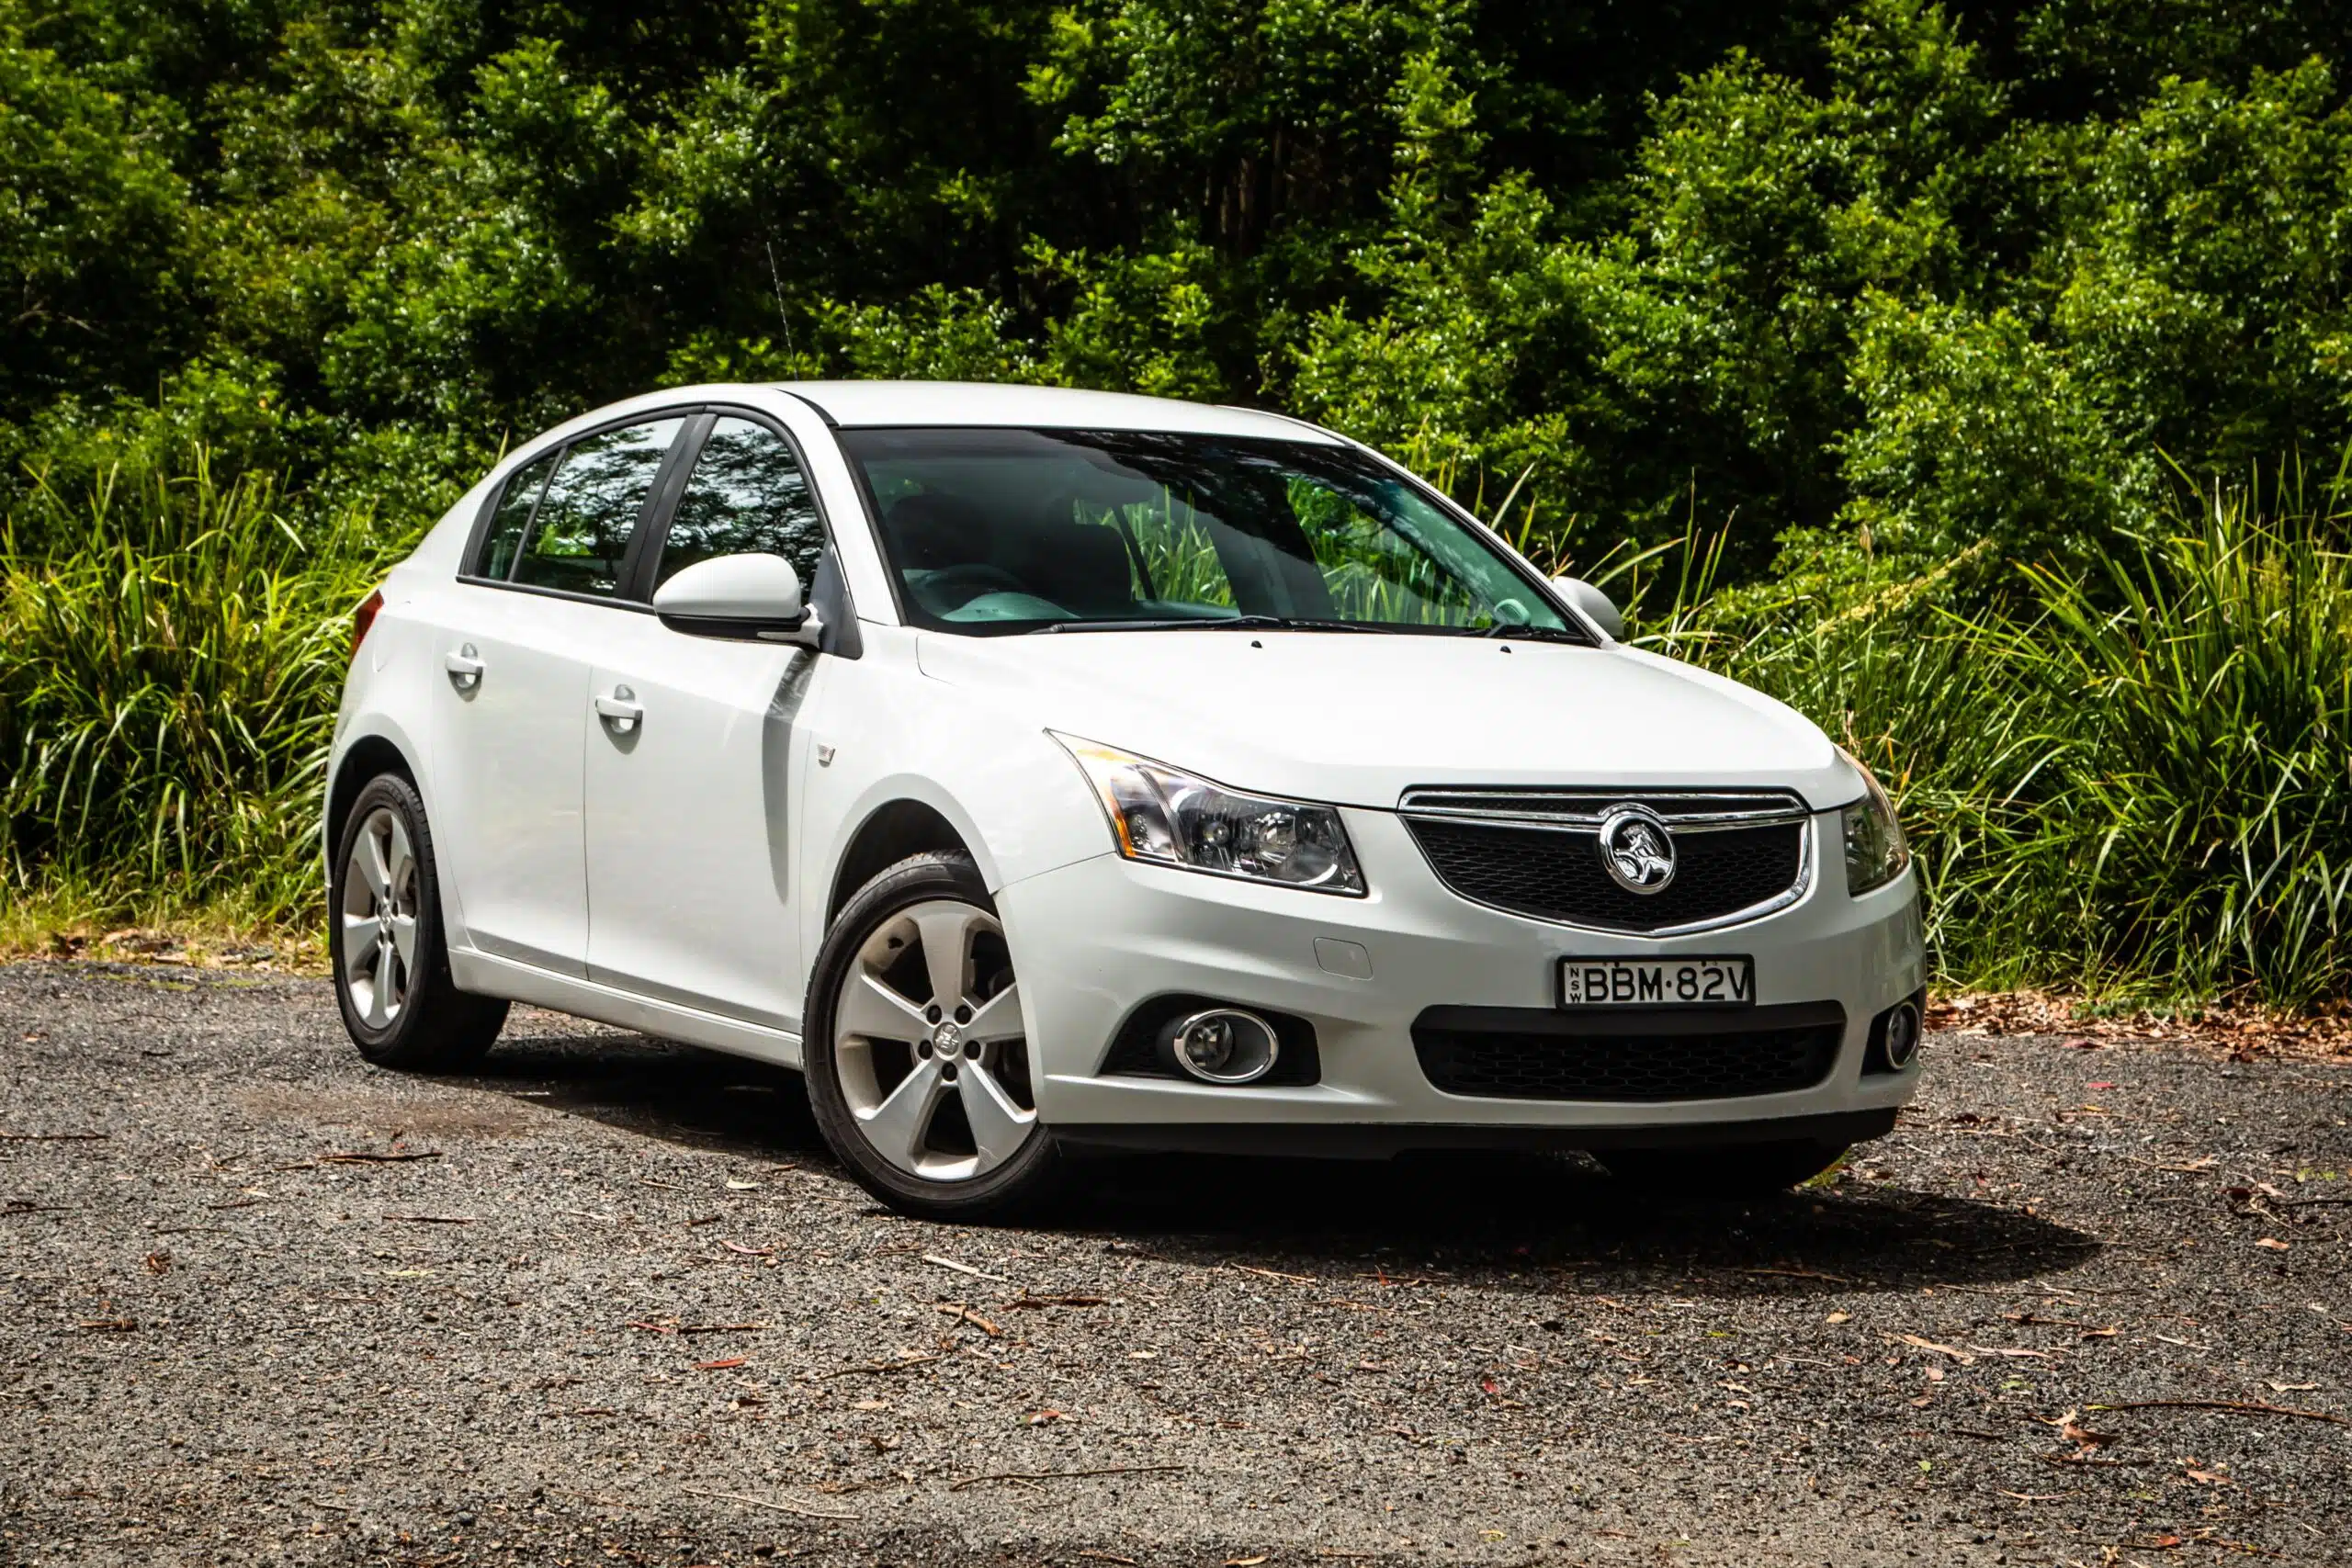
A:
<point x="954" y="585"/>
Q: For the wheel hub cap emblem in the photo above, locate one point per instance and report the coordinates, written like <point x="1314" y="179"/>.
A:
<point x="947" y="1038"/>
<point x="1636" y="849"/>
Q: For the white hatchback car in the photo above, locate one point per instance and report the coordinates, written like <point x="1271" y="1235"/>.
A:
<point x="1036" y="769"/>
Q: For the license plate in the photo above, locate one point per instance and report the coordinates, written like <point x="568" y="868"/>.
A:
<point x="1658" y="981"/>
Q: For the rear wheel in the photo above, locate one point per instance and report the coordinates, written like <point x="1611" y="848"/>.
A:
<point x="392" y="967"/>
<point x="915" y="1049"/>
<point x="1724" y="1172"/>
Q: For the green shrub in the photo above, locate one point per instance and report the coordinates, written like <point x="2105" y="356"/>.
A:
<point x="168" y="685"/>
<point x="2132" y="778"/>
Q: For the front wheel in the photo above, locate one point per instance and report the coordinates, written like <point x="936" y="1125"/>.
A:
<point x="1722" y="1173"/>
<point x="392" y="967"/>
<point x="916" y="1050"/>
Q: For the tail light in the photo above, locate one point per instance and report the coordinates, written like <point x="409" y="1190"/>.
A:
<point x="364" y="617"/>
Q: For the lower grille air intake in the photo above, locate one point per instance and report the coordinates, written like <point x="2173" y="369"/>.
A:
<point x="1540" y="1054"/>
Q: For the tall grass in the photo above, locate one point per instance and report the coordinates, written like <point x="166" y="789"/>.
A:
<point x="2133" y="777"/>
<point x="169" y="669"/>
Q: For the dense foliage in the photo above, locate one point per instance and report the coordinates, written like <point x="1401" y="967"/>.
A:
<point x="1941" y="273"/>
<point x="1939" y="326"/>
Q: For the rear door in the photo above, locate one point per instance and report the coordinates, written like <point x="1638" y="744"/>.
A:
<point x="543" y="590"/>
<point x="691" y="788"/>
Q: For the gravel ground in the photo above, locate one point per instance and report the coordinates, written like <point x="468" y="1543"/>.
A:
<point x="609" y="1301"/>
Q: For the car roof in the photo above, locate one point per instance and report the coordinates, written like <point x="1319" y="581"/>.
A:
<point x="853" y="404"/>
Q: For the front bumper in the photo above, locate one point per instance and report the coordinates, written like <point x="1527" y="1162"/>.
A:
<point x="1095" y="940"/>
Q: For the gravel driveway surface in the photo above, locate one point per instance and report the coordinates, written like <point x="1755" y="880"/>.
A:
<point x="609" y="1302"/>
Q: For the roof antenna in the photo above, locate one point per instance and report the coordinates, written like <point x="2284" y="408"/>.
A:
<point x="777" y="279"/>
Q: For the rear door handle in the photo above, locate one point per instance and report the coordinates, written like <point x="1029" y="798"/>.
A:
<point x="620" y="711"/>
<point x="465" y="667"/>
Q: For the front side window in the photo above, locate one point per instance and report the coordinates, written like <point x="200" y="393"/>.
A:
<point x="582" y="531"/>
<point x="1021" y="530"/>
<point x="747" y="494"/>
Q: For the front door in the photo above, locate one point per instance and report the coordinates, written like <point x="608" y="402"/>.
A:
<point x="512" y="691"/>
<point x="699" y="755"/>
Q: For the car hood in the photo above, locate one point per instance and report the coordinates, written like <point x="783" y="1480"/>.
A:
<point x="1357" y="718"/>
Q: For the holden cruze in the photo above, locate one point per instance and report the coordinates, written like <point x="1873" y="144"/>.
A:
<point x="1036" y="770"/>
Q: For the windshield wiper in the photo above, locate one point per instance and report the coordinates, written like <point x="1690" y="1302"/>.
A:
<point x="1172" y="624"/>
<point x="1531" y="633"/>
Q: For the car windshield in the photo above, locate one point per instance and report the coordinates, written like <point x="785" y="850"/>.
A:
<point x="996" y="531"/>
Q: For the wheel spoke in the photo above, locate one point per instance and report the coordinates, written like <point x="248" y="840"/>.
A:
<point x="380" y="998"/>
<point x="404" y="942"/>
<point x="872" y="1011"/>
<point x="897" y="1127"/>
<point x="369" y="861"/>
<point x="998" y="1126"/>
<point x="999" y="1017"/>
<point x="360" y="937"/>
<point x="946" y="940"/>
<point x="400" y="865"/>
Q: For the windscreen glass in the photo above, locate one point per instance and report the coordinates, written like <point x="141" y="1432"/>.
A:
<point x="995" y="531"/>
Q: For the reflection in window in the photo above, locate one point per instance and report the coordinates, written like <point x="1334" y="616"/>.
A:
<point x="747" y="495"/>
<point x="513" y="517"/>
<point x="591" y="508"/>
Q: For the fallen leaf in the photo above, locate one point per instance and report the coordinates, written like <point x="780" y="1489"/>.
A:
<point x="1838" y="1317"/>
<point x="734" y="1186"/>
<point x="869" y="1405"/>
<point x="158" y="1263"/>
<point x="747" y="1251"/>
<point x="2274" y="1244"/>
<point x="2209" y="1478"/>
<point x="2292" y="1387"/>
<point x="1957" y="1354"/>
<point x="722" y="1366"/>
<point x="1244" y="1561"/>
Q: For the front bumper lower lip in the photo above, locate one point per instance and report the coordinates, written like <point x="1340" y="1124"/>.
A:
<point x="1371" y="1140"/>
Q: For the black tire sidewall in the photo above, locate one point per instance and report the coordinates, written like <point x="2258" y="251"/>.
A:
<point x="1017" y="1183"/>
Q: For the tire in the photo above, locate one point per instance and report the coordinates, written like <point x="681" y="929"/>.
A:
<point x="916" y="1053"/>
<point x="399" y="1004"/>
<point x="1724" y="1172"/>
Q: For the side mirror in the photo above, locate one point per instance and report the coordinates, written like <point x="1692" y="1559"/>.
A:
<point x="745" y="598"/>
<point x="1599" y="609"/>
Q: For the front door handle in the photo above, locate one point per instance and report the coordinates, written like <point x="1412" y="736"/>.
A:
<point x="465" y="667"/>
<point x="620" y="711"/>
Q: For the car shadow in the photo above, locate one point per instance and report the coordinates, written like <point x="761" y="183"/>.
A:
<point x="1494" y="1220"/>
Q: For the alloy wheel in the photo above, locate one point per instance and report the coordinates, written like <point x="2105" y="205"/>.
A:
<point x="379" y="916"/>
<point x="929" y="1045"/>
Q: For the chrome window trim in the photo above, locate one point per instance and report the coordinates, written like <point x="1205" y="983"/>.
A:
<point x="1773" y="807"/>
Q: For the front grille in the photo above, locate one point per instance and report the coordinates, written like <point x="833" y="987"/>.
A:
<point x="1537" y="1053"/>
<point x="1540" y="855"/>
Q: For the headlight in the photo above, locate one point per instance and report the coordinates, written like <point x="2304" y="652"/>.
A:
<point x="1168" y="818"/>
<point x="1875" y="852"/>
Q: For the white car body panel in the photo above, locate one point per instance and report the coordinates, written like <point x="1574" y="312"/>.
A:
<point x="704" y="855"/>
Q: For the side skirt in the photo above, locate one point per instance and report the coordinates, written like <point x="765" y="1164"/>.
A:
<point x="494" y="976"/>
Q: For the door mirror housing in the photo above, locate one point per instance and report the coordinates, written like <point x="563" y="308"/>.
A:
<point x="742" y="598"/>
<point x="1598" y="607"/>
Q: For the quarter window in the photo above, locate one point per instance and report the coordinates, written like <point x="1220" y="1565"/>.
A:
<point x="581" y="532"/>
<point x="747" y="495"/>
<point x="513" y="518"/>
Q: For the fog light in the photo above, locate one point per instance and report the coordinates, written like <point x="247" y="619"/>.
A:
<point x="1895" y="1036"/>
<point x="1223" y="1045"/>
<point x="1902" y="1036"/>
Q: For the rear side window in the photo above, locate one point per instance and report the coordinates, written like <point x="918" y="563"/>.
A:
<point x="581" y="533"/>
<point x="747" y="494"/>
<point x="513" y="518"/>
